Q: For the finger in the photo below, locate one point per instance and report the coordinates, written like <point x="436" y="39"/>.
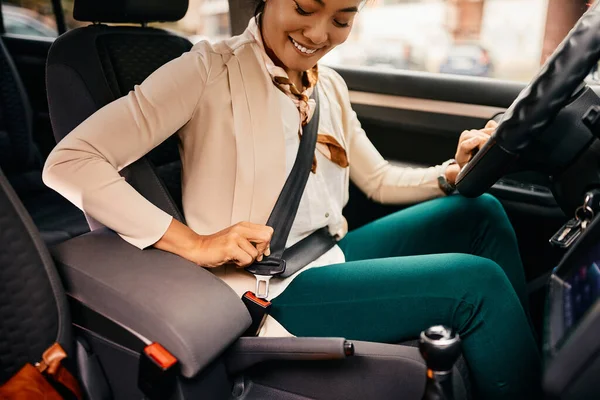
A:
<point x="466" y="135"/>
<point x="475" y="142"/>
<point x="240" y="257"/>
<point x="467" y="149"/>
<point x="484" y="135"/>
<point x="256" y="233"/>
<point x="268" y="251"/>
<point x="262" y="247"/>
<point x="248" y="248"/>
<point x="491" y="124"/>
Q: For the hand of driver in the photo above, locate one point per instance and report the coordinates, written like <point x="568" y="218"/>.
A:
<point x="471" y="141"/>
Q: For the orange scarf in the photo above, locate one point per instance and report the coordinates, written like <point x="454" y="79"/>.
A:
<point x="326" y="144"/>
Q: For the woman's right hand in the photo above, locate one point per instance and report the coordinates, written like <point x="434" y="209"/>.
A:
<point x="239" y="244"/>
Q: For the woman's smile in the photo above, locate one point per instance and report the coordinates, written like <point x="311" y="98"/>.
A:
<point x="306" y="51"/>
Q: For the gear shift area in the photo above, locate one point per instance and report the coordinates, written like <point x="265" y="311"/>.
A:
<point x="440" y="348"/>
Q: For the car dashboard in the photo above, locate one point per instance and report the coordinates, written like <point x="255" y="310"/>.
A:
<point x="572" y="325"/>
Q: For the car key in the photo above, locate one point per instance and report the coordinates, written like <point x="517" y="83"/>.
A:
<point x="569" y="232"/>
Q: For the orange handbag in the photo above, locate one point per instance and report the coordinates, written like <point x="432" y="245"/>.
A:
<point x="47" y="380"/>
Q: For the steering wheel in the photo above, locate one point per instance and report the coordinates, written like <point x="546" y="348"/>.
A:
<point x="536" y="106"/>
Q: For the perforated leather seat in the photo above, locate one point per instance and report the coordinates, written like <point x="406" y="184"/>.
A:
<point x="56" y="218"/>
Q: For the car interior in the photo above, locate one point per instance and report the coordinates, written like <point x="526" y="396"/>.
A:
<point x="66" y="278"/>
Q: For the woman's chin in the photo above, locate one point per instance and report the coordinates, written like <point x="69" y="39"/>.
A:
<point x="301" y="65"/>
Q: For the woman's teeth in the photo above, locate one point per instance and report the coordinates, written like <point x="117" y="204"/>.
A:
<point x="302" y="48"/>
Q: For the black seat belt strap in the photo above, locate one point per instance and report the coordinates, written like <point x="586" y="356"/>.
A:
<point x="285" y="209"/>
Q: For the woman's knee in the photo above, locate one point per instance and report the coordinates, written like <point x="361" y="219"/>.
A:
<point x="484" y="204"/>
<point x="483" y="209"/>
<point x="488" y="206"/>
<point x="479" y="275"/>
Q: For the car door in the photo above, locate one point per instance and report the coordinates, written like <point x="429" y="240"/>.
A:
<point x="463" y="63"/>
<point x="415" y="119"/>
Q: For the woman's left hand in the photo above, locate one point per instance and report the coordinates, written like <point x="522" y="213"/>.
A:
<point x="469" y="142"/>
<point x="472" y="140"/>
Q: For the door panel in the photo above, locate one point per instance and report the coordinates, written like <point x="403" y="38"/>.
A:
<point x="29" y="55"/>
<point x="418" y="121"/>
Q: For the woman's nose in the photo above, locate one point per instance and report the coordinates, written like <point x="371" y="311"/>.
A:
<point x="316" y="33"/>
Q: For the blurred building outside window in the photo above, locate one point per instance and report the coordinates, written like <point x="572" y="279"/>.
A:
<point x="504" y="39"/>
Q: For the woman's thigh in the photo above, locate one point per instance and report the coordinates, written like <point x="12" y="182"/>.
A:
<point x="391" y="300"/>
<point x="453" y="224"/>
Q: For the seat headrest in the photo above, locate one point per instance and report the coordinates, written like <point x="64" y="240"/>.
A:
<point x="124" y="11"/>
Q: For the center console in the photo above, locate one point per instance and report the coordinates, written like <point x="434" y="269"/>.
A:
<point x="572" y="327"/>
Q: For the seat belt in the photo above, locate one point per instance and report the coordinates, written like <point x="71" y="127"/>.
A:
<point x="281" y="220"/>
<point x="285" y="209"/>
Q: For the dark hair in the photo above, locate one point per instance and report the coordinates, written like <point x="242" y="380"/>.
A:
<point x="260" y="7"/>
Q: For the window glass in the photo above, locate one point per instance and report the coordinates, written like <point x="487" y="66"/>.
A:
<point x="29" y="17"/>
<point x="505" y="39"/>
<point x="204" y="20"/>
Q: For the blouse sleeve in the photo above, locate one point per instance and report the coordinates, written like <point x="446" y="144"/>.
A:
<point x="376" y="177"/>
<point x="84" y="167"/>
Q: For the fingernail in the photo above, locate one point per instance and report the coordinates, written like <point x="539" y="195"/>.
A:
<point x="259" y="258"/>
<point x="268" y="252"/>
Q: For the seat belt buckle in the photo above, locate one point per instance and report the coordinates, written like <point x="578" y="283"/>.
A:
<point x="258" y="309"/>
<point x="158" y="369"/>
<point x="269" y="266"/>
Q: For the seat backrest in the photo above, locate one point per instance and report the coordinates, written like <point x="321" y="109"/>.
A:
<point x="92" y="66"/>
<point x="33" y="306"/>
<point x="18" y="152"/>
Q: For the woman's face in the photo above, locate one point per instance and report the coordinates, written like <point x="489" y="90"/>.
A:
<point x="299" y="32"/>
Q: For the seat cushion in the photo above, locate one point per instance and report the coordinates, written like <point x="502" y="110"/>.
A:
<point x="55" y="217"/>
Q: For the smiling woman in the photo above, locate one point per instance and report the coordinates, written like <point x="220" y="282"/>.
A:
<point x="298" y="33"/>
<point x="240" y="108"/>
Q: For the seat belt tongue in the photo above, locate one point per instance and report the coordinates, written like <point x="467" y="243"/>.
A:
<point x="263" y="272"/>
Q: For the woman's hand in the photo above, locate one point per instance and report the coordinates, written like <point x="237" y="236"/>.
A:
<point x="239" y="244"/>
<point x="471" y="141"/>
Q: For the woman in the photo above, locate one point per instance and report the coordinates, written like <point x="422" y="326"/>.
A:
<point x="238" y="107"/>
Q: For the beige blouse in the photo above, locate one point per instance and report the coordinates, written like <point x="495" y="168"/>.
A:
<point x="220" y="101"/>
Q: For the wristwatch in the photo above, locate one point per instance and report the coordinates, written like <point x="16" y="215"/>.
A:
<point x="443" y="183"/>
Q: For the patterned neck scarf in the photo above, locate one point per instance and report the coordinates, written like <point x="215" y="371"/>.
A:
<point x="326" y="144"/>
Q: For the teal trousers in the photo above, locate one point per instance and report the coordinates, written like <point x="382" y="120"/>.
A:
<point x="452" y="261"/>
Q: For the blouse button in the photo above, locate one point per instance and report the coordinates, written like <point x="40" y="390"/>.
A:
<point x="326" y="215"/>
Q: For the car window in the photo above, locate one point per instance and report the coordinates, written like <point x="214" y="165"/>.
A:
<point x="204" y="20"/>
<point x="29" y="17"/>
<point x="505" y="39"/>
